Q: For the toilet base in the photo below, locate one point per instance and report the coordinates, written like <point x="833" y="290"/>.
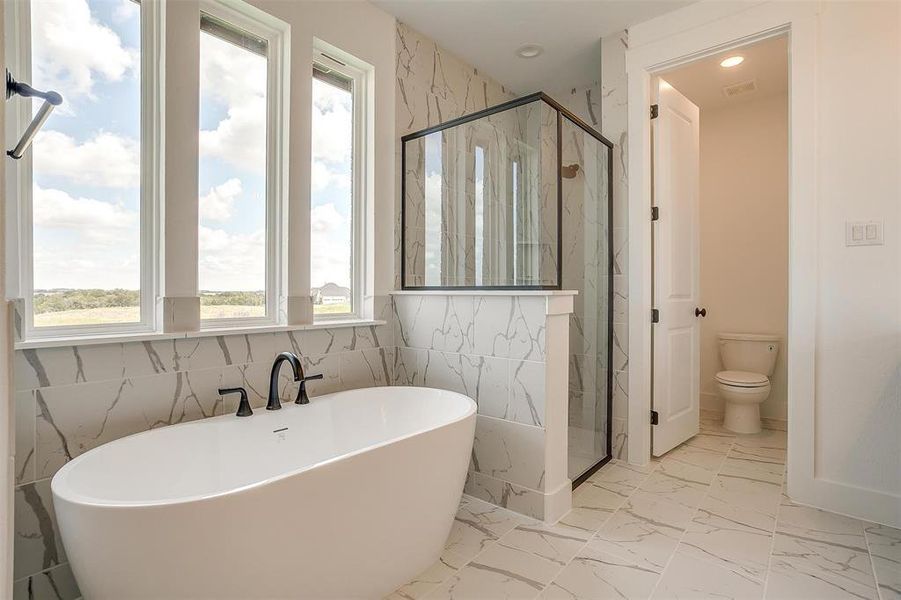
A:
<point x="742" y="418"/>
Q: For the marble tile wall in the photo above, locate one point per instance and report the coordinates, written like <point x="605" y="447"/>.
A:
<point x="494" y="349"/>
<point x="71" y="399"/>
<point x="614" y="125"/>
<point x="434" y="86"/>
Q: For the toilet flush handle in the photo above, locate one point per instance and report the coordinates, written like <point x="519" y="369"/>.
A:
<point x="700" y="312"/>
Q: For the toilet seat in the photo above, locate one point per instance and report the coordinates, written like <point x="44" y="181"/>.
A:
<point x="743" y="379"/>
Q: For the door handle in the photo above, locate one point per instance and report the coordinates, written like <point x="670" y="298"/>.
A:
<point x="700" y="312"/>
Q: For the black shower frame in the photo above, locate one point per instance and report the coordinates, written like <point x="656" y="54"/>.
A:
<point x="562" y="112"/>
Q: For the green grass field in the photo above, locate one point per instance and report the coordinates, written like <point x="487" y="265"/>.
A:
<point x="129" y="314"/>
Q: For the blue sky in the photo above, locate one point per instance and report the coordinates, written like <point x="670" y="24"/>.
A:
<point x="87" y="159"/>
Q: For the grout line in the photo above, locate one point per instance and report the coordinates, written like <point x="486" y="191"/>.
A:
<point x="866" y="540"/>
<point x="690" y="521"/>
<point x="594" y="534"/>
<point x="769" y="559"/>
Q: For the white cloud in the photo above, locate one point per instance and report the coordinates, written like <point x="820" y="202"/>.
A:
<point x="71" y="48"/>
<point x="232" y="261"/>
<point x="322" y="177"/>
<point x="235" y="78"/>
<point x="219" y="203"/>
<point x="86" y="217"/>
<point x="329" y="246"/>
<point x="126" y="10"/>
<point x="332" y="124"/>
<point x="240" y="138"/>
<point x="83" y="242"/>
<point x="106" y="160"/>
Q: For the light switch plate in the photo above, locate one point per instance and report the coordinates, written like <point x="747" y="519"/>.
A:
<point x="863" y="233"/>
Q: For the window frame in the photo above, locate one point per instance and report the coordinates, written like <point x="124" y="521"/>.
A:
<point x="282" y="254"/>
<point x="242" y="16"/>
<point x="360" y="74"/>
<point x="20" y="183"/>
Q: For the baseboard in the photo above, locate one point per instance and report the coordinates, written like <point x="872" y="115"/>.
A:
<point x="776" y="424"/>
<point x="850" y="500"/>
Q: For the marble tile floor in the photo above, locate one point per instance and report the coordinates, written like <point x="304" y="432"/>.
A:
<point x="709" y="520"/>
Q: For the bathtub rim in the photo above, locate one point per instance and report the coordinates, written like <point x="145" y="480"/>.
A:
<point x="61" y="491"/>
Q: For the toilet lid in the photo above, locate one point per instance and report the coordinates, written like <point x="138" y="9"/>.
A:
<point x="742" y="378"/>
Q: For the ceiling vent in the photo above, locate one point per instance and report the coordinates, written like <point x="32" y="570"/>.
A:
<point x="740" y="89"/>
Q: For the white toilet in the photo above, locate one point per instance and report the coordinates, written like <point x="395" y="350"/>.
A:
<point x="749" y="360"/>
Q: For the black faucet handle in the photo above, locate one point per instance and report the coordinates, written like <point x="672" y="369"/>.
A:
<point x="244" y="409"/>
<point x="302" y="397"/>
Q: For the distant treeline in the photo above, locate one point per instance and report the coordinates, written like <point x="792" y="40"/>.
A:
<point x="47" y="301"/>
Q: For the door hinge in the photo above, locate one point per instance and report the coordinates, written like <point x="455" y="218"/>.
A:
<point x="655" y="418"/>
<point x="655" y="315"/>
<point x="655" y="213"/>
<point x="655" y="111"/>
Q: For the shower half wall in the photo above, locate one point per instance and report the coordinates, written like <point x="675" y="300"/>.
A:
<point x="516" y="199"/>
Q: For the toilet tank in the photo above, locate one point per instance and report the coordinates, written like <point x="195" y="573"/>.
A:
<point x="752" y="352"/>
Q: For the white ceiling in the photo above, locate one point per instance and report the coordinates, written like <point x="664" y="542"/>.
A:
<point x="486" y="33"/>
<point x="702" y="81"/>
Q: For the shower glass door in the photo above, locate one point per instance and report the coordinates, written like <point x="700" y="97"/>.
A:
<point x="587" y="267"/>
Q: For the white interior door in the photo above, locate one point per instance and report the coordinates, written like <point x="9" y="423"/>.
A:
<point x="676" y="336"/>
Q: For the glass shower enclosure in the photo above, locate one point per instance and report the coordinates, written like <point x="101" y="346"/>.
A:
<point x="519" y="196"/>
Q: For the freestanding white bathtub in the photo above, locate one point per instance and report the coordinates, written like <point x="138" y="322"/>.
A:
<point x="349" y="496"/>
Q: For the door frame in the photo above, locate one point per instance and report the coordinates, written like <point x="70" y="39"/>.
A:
<point x="680" y="37"/>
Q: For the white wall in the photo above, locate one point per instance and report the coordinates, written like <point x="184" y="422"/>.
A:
<point x="858" y="358"/>
<point x="744" y="235"/>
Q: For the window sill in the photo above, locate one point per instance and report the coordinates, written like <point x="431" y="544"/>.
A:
<point x="452" y="292"/>
<point x="149" y="337"/>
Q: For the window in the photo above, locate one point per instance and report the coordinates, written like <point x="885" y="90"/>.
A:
<point x="235" y="275"/>
<point x="82" y="251"/>
<point x="90" y="250"/>
<point x="337" y="180"/>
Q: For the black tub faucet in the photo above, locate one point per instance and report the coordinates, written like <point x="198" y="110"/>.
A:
<point x="292" y="359"/>
<point x="302" y="398"/>
<point x="244" y="409"/>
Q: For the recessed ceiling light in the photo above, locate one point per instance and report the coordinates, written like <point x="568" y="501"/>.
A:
<point x="732" y="61"/>
<point x="529" y="51"/>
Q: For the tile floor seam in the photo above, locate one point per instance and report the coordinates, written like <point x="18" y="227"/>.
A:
<point x="866" y="540"/>
<point x="690" y="521"/>
<point x="595" y="533"/>
<point x="769" y="561"/>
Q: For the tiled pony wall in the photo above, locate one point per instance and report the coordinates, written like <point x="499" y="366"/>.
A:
<point x="493" y="349"/>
